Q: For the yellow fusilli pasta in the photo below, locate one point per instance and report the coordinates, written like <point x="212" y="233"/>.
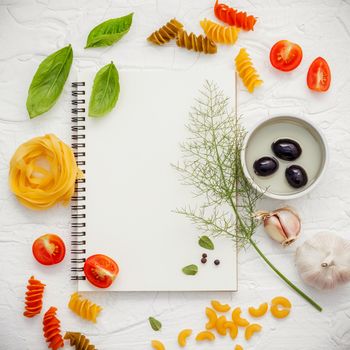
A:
<point x="79" y="341"/>
<point x="197" y="43"/>
<point x="84" y="307"/>
<point x="246" y="71"/>
<point x="165" y="33"/>
<point x="218" y="33"/>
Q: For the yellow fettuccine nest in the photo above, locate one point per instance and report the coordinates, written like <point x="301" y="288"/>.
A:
<point x="43" y="171"/>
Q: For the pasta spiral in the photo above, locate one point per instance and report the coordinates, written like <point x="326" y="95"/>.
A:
<point x="196" y="43"/>
<point x="219" y="33"/>
<point x="34" y="297"/>
<point x="51" y="329"/>
<point x="84" y="307"/>
<point x="232" y="17"/>
<point x="79" y="341"/>
<point x="165" y="33"/>
<point x="246" y="70"/>
<point x="43" y="171"/>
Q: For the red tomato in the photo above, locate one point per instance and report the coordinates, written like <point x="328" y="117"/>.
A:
<point x="285" y="55"/>
<point x="319" y="75"/>
<point x="100" y="270"/>
<point x="49" y="249"/>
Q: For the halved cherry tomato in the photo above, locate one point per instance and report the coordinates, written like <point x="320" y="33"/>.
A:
<point x="49" y="249"/>
<point x="319" y="75"/>
<point x="285" y="55"/>
<point x="100" y="270"/>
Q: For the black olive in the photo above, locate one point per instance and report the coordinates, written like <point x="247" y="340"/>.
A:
<point x="296" y="176"/>
<point x="265" y="166"/>
<point x="286" y="149"/>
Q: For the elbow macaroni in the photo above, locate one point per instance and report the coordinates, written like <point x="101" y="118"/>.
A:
<point x="212" y="317"/>
<point x="260" y="311"/>
<point x="237" y="319"/>
<point x="277" y="303"/>
<point x="251" y="329"/>
<point x="157" y="345"/>
<point x="205" y="335"/>
<point x="220" y="325"/>
<point x="233" y="329"/>
<point x="220" y="307"/>
<point x="182" y="337"/>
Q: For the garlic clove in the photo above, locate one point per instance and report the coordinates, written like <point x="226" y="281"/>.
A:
<point x="290" y="223"/>
<point x="282" y="225"/>
<point x="274" y="229"/>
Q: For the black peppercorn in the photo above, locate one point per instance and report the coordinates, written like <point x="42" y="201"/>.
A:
<point x="217" y="262"/>
<point x="204" y="255"/>
<point x="203" y="260"/>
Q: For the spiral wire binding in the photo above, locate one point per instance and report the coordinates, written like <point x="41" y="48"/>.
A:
<point x="78" y="207"/>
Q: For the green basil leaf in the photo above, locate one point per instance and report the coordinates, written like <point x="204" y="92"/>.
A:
<point x="105" y="91"/>
<point x="109" y="32"/>
<point x="190" y="270"/>
<point x="206" y="243"/>
<point x="48" y="81"/>
<point x="155" y="324"/>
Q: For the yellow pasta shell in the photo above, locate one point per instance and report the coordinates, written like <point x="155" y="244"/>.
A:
<point x="218" y="33"/>
<point x="182" y="337"/>
<point x="43" y="171"/>
<point x="238" y="347"/>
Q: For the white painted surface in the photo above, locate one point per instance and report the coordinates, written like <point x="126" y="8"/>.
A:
<point x="30" y="30"/>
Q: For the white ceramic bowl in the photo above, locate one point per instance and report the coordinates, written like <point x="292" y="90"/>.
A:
<point x="288" y="120"/>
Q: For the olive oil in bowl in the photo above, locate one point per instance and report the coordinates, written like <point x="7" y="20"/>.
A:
<point x="281" y="183"/>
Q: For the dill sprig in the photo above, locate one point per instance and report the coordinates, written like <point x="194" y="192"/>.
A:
<point x="211" y="164"/>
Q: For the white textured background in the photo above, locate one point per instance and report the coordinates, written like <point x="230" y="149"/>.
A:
<point x="30" y="30"/>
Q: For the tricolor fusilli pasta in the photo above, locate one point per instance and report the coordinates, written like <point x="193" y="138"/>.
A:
<point x="193" y="42"/>
<point x="84" y="307"/>
<point x="246" y="71"/>
<point x="218" y="33"/>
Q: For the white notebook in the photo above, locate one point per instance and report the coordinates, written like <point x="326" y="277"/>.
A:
<point x="124" y="206"/>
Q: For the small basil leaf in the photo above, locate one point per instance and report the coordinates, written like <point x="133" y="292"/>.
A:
<point x="109" y="32"/>
<point x="155" y="324"/>
<point x="206" y="243"/>
<point x="105" y="91"/>
<point x="190" y="270"/>
<point x="48" y="81"/>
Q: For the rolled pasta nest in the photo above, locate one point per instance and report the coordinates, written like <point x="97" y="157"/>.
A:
<point x="43" y="171"/>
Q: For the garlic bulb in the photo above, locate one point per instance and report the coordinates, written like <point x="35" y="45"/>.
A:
<point x="282" y="225"/>
<point x="323" y="261"/>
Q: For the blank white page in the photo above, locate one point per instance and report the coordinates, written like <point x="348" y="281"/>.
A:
<point x="132" y="190"/>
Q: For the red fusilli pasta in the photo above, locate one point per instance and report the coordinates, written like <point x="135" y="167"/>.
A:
<point x="232" y="17"/>
<point x="52" y="331"/>
<point x="34" y="297"/>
